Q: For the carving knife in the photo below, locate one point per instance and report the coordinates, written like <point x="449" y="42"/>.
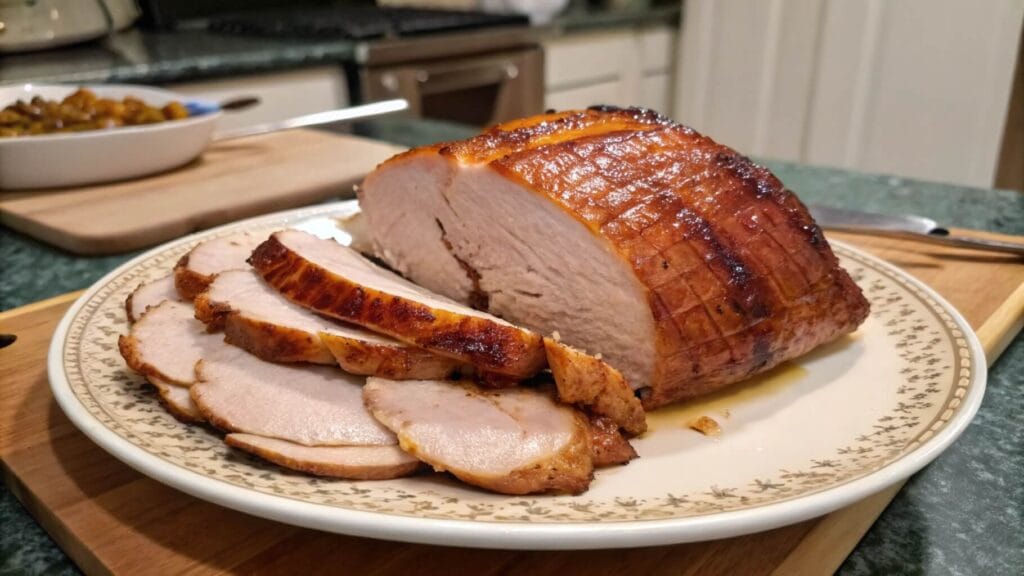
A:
<point x="350" y="114"/>
<point x="907" y="226"/>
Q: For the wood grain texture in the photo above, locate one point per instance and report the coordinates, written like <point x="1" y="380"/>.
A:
<point x="234" y="179"/>
<point x="111" y="519"/>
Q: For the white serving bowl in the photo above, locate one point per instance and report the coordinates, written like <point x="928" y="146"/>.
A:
<point x="94" y="156"/>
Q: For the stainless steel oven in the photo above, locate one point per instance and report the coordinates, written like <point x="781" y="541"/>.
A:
<point x="466" y="66"/>
<point x="475" y="90"/>
<point x="477" y="78"/>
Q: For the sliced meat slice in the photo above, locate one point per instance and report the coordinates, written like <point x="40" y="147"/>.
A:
<point x="195" y="270"/>
<point x="404" y="362"/>
<point x="167" y="342"/>
<point x="608" y="446"/>
<point x="177" y="400"/>
<point x="149" y="295"/>
<point x="591" y="382"/>
<point x="309" y="405"/>
<point x="350" y="462"/>
<point x="512" y="441"/>
<point x="255" y="317"/>
<point x="336" y="281"/>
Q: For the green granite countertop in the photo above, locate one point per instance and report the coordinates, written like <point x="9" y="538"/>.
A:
<point x="963" y="514"/>
<point x="149" y="57"/>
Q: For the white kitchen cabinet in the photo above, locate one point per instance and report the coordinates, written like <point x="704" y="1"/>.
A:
<point x="624" y="67"/>
<point x="909" y="87"/>
<point x="282" y="95"/>
<point x="656" y="92"/>
<point x="582" y="96"/>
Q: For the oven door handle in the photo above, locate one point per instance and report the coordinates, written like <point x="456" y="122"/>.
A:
<point x="446" y="80"/>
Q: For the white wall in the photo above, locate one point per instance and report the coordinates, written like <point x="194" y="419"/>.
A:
<point x="911" y="87"/>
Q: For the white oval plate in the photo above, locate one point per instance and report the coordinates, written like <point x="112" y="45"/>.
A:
<point x="817" y="434"/>
<point x="95" y="156"/>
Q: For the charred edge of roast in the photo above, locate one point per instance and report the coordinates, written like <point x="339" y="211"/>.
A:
<point x="275" y="343"/>
<point x="264" y="340"/>
<point x="595" y="385"/>
<point x="213" y="314"/>
<point x="188" y="282"/>
<point x="607" y="445"/>
<point x="637" y="113"/>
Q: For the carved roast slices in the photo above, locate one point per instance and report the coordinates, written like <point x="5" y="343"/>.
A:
<point x="148" y="295"/>
<point x="164" y="346"/>
<point x="177" y="400"/>
<point x="195" y="270"/>
<point x="336" y="281"/>
<point x="309" y="405"/>
<point x="255" y="317"/>
<point x="513" y="441"/>
<point x="684" y="264"/>
<point x="167" y="342"/>
<point x="590" y="382"/>
<point x="352" y="462"/>
<point x="292" y="406"/>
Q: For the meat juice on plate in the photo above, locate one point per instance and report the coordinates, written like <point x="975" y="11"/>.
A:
<point x="720" y="405"/>
<point x="724" y="405"/>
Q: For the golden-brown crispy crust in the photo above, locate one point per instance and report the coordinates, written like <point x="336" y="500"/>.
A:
<point x="740" y="278"/>
<point x="489" y="345"/>
<point x="591" y="383"/>
<point x="188" y="282"/>
<point x="276" y="343"/>
<point x="265" y="340"/>
<point x="324" y="469"/>
<point x="608" y="447"/>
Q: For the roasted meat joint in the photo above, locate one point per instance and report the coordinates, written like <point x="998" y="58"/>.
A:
<point x="546" y="283"/>
<point x="684" y="264"/>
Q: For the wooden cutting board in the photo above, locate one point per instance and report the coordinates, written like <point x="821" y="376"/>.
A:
<point x="232" y="180"/>
<point x="111" y="519"/>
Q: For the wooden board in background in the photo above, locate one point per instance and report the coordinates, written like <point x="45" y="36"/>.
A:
<point x="109" y="518"/>
<point x="234" y="179"/>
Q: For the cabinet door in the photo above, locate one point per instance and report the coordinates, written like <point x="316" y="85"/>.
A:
<point x="282" y="95"/>
<point x="910" y="87"/>
<point x="628" y="67"/>
<point x="584" y="96"/>
<point x="656" y="92"/>
<point x="589" y="58"/>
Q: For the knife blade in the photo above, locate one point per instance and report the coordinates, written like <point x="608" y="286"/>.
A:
<point x="350" y="114"/>
<point x="905" y="226"/>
